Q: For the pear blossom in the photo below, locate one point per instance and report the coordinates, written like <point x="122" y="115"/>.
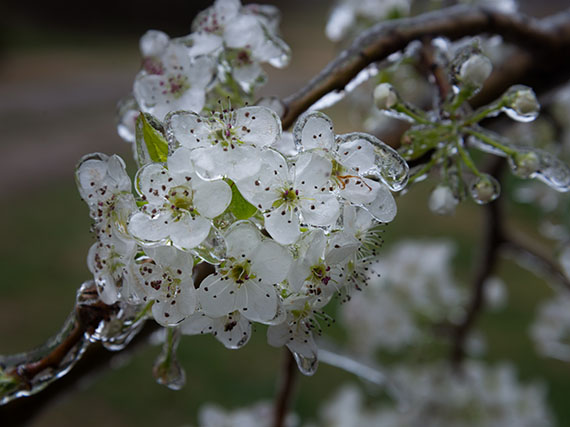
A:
<point x="165" y="277"/>
<point x="233" y="330"/>
<point x="245" y="35"/>
<point x="172" y="79"/>
<point x="246" y="280"/>
<point x="224" y="144"/>
<point x="180" y="204"/>
<point x="296" y="332"/>
<point x="291" y="195"/>
<point x="313" y="273"/>
<point x="353" y="161"/>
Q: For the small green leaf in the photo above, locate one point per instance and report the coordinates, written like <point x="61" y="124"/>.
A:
<point x="153" y="139"/>
<point x="240" y="207"/>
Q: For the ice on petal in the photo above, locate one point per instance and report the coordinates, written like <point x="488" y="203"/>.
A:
<point x="188" y="129"/>
<point x="207" y="162"/>
<point x="311" y="170"/>
<point x="383" y="208"/>
<point x="147" y="229"/>
<point x="217" y="296"/>
<point x="358" y="190"/>
<point x="320" y="209"/>
<point x="283" y="225"/>
<point x="240" y="162"/>
<point x="233" y="330"/>
<point x="314" y="130"/>
<point x="389" y="166"/>
<point x="153" y="43"/>
<point x="257" y="301"/>
<point x="356" y="154"/>
<point x="197" y="323"/>
<point x="257" y="126"/>
<point x="203" y="43"/>
<point x="211" y="198"/>
<point x="151" y="182"/>
<point x="241" y="239"/>
<point x="188" y="231"/>
<point x="271" y="262"/>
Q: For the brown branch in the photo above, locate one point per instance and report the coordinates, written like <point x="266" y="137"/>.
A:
<point x="284" y="396"/>
<point x="492" y="240"/>
<point x="435" y="69"/>
<point x="545" y="37"/>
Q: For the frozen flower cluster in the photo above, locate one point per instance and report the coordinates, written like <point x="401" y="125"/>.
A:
<point x="437" y="395"/>
<point x="222" y="57"/>
<point x="278" y="234"/>
<point x="409" y="287"/>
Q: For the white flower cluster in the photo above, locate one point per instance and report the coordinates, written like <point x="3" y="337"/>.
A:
<point x="258" y="415"/>
<point x="222" y="55"/>
<point x="551" y="329"/>
<point x="416" y="284"/>
<point x="438" y="396"/>
<point x="282" y="233"/>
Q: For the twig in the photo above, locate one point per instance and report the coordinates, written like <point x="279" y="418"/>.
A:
<point x="492" y="241"/>
<point x="544" y="36"/>
<point x="435" y="69"/>
<point x="284" y="396"/>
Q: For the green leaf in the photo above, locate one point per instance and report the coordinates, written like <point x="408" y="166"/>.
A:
<point x="240" y="207"/>
<point x="151" y="144"/>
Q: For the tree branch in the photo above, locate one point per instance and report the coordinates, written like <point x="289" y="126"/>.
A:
<point x="541" y="37"/>
<point x="284" y="396"/>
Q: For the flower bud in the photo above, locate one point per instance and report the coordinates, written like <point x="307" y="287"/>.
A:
<point x="485" y="189"/>
<point x="521" y="104"/>
<point x="442" y="201"/>
<point x="385" y="97"/>
<point x="524" y="163"/>
<point x="475" y="70"/>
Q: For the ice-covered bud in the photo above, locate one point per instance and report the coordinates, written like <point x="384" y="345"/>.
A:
<point x="524" y="163"/>
<point x="385" y="97"/>
<point x="521" y="104"/>
<point x="485" y="189"/>
<point x="475" y="70"/>
<point x="153" y="43"/>
<point x="442" y="201"/>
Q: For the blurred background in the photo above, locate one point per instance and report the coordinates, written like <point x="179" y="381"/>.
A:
<point x="63" y="67"/>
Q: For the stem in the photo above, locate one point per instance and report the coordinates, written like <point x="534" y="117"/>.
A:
<point x="492" y="240"/>
<point x="467" y="159"/>
<point x="401" y="107"/>
<point x="486" y="139"/>
<point x="284" y="396"/>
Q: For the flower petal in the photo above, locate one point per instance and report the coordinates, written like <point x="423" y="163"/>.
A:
<point x="211" y="198"/>
<point x="217" y="295"/>
<point x="189" y="129"/>
<point x="271" y="262"/>
<point x="314" y="130"/>
<point x="257" y="301"/>
<point x="257" y="125"/>
<point x="283" y="225"/>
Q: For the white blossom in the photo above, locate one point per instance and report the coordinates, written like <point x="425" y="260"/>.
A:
<point x="246" y="280"/>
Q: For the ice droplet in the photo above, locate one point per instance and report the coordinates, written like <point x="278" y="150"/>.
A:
<point x="521" y="104"/>
<point x="167" y="370"/>
<point x="485" y="189"/>
<point x="389" y="166"/>
<point x="542" y="165"/>
<point x="213" y="248"/>
<point x="307" y="365"/>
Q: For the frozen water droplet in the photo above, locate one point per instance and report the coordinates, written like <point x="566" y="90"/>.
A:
<point x="307" y="365"/>
<point x="213" y="248"/>
<point x="391" y="168"/>
<point x="167" y="370"/>
<point x="542" y="165"/>
<point x="521" y="104"/>
<point x="485" y="189"/>
<point x="524" y="163"/>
